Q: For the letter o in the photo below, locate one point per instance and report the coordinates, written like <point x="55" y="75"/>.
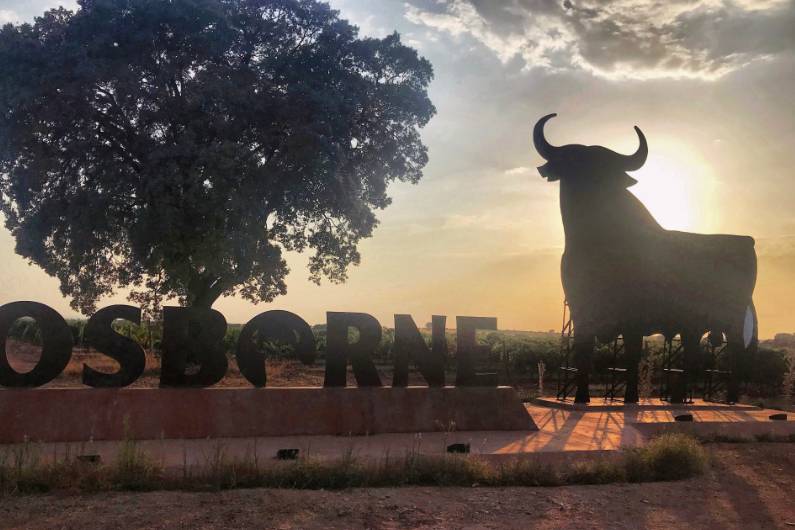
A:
<point x="56" y="349"/>
<point x="275" y="325"/>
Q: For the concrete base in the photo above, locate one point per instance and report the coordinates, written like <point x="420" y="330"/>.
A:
<point x="726" y="430"/>
<point x="600" y="405"/>
<point x="71" y="415"/>
<point x="563" y="436"/>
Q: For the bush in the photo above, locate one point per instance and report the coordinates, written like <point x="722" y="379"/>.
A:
<point x="231" y="337"/>
<point x="26" y="330"/>
<point x="524" y="352"/>
<point x="671" y="456"/>
<point x="764" y="372"/>
<point x="597" y="472"/>
<point x="77" y="327"/>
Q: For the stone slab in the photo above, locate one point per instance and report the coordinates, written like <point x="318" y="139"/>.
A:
<point x="70" y="415"/>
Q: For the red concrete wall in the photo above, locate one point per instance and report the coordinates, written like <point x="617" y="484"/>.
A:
<point x="67" y="415"/>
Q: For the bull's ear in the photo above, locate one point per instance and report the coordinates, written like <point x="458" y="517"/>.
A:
<point x="627" y="181"/>
<point x="548" y="172"/>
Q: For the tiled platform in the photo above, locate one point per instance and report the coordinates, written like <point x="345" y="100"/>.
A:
<point x="601" y="405"/>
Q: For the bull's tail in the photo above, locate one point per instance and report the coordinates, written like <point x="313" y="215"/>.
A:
<point x="750" y="328"/>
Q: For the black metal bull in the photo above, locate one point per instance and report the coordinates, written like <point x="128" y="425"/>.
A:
<point x="624" y="274"/>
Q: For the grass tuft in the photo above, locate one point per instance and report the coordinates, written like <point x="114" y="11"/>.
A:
<point x="671" y="456"/>
<point x="133" y="469"/>
<point x="761" y="437"/>
<point x="529" y="472"/>
<point x="597" y="472"/>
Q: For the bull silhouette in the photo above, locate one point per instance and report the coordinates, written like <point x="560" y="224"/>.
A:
<point x="624" y="274"/>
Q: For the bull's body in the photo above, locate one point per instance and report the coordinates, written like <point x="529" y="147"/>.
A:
<point x="621" y="270"/>
<point x="623" y="274"/>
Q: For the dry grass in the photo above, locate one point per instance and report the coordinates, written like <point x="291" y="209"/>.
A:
<point x="669" y="457"/>
<point x="762" y="437"/>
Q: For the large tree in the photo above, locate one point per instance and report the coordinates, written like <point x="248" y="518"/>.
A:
<point x="184" y="145"/>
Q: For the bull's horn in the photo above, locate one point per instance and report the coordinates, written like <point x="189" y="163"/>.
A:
<point x="544" y="148"/>
<point x="636" y="161"/>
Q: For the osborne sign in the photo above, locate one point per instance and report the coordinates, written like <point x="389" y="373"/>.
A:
<point x="197" y="334"/>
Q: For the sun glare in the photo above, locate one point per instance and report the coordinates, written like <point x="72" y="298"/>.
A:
<point x="678" y="190"/>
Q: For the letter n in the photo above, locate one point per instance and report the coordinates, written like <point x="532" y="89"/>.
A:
<point x="410" y="346"/>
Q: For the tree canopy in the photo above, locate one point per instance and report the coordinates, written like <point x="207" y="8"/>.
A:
<point x="185" y="145"/>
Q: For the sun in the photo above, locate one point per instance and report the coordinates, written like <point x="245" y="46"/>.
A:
<point x="678" y="189"/>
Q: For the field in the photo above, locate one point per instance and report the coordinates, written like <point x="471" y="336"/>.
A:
<point x="515" y="357"/>
<point x="749" y="486"/>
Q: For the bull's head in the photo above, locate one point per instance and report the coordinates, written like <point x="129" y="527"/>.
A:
<point x="587" y="164"/>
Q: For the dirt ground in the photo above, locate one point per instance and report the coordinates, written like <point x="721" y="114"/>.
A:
<point x="749" y="486"/>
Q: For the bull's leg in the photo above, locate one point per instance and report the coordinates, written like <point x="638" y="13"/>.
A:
<point x="633" y="348"/>
<point x="583" y="353"/>
<point x="735" y="347"/>
<point x="691" y="349"/>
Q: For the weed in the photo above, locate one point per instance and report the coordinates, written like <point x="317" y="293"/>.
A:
<point x="132" y="468"/>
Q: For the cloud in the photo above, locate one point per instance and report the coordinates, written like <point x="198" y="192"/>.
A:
<point x="7" y="16"/>
<point x="17" y="11"/>
<point x="521" y="170"/>
<point x="636" y="39"/>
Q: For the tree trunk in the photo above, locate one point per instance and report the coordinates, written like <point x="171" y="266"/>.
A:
<point x="204" y="301"/>
<point x="203" y="292"/>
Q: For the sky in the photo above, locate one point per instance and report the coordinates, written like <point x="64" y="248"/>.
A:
<point x="710" y="82"/>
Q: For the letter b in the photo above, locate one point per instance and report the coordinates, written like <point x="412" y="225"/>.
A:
<point x="200" y="333"/>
